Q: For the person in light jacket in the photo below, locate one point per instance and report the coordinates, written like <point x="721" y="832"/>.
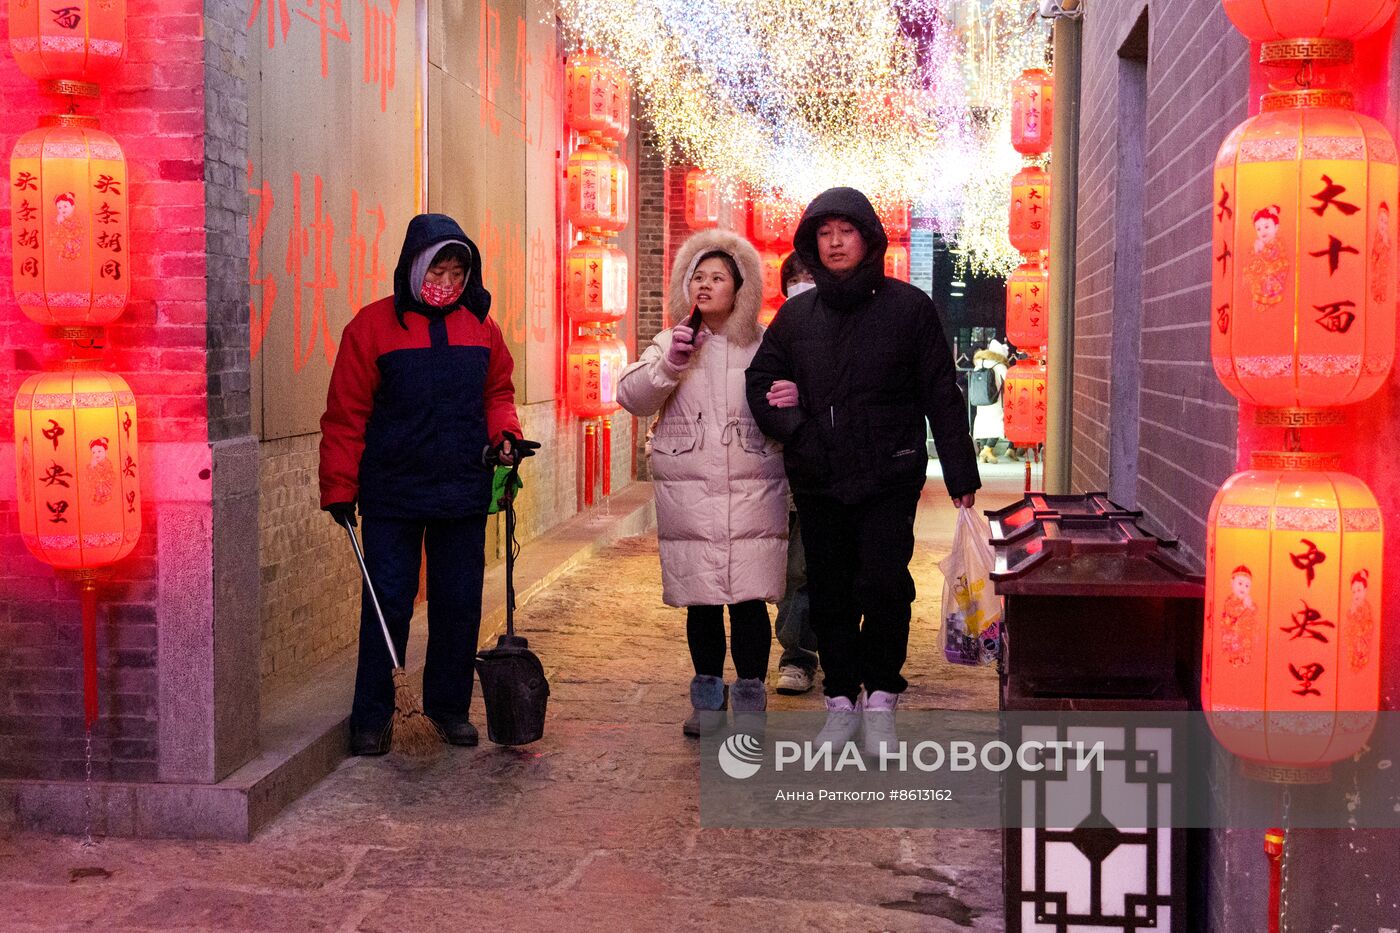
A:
<point x="721" y="494"/>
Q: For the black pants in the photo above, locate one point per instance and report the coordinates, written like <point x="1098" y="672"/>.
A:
<point x="456" y="562"/>
<point x="750" y="638"/>
<point x="858" y="566"/>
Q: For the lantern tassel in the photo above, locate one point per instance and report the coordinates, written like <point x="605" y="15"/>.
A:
<point x="590" y="458"/>
<point x="607" y="457"/>
<point x="89" y="602"/>
<point x="1273" y="849"/>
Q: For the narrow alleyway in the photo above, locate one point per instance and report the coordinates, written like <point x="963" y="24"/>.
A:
<point x="593" y="828"/>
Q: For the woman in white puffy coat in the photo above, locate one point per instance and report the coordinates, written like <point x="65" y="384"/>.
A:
<point x="721" y="493"/>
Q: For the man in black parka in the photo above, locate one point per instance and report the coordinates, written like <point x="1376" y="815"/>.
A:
<point x="845" y="378"/>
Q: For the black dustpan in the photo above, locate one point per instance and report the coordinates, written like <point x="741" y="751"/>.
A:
<point x="513" y="684"/>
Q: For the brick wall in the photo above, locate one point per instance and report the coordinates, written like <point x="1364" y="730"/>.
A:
<point x="1196" y="92"/>
<point x="652" y="263"/>
<point x="155" y="109"/>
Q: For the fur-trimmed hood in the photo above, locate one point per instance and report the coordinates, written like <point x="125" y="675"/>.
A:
<point x="742" y="326"/>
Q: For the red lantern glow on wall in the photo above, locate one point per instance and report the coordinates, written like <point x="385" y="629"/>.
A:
<point x="775" y="221"/>
<point x="1304" y="255"/>
<point x="1291" y="653"/>
<point x="772" y="265"/>
<point x="1024" y="404"/>
<point x="68" y="233"/>
<point x="1027" y="320"/>
<point x="596" y="190"/>
<point x="1030" y="210"/>
<point x="77" y="40"/>
<point x="595" y="283"/>
<point x="895" y="219"/>
<point x="897" y="262"/>
<point x="594" y="364"/>
<point x="702" y="200"/>
<point x="78" y="470"/>
<point x="1032" y="111"/>
<point x="596" y="97"/>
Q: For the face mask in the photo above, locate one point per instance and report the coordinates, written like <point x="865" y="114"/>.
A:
<point x="797" y="288"/>
<point x="441" y="296"/>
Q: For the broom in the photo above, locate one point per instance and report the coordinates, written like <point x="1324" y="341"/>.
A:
<point x="414" y="733"/>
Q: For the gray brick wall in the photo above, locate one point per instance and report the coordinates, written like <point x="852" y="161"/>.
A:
<point x="1198" y="79"/>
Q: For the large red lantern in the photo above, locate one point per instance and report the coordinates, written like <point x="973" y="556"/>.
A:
<point x="1027" y="323"/>
<point x="596" y="97"/>
<point x="73" y="41"/>
<point x="1291" y="652"/>
<point x="594" y="364"/>
<point x="702" y="200"/>
<point x="897" y="262"/>
<point x="78" y="470"/>
<point x="1032" y="111"/>
<point x="895" y="219"/>
<point x="775" y="221"/>
<point x="772" y="265"/>
<point x="1030" y="210"/>
<point x="595" y="283"/>
<point x="596" y="190"/>
<point x="1023" y="404"/>
<point x="1275" y="20"/>
<point x="1303" y="254"/>
<point x="68" y="231"/>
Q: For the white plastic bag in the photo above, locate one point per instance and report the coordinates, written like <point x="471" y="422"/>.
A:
<point x="971" y="631"/>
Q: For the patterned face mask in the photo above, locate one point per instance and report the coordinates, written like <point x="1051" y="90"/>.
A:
<point x="441" y="296"/>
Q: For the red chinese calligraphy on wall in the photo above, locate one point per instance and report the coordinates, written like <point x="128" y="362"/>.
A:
<point x="317" y="242"/>
<point x="489" y="65"/>
<point x="262" y="295"/>
<point x="381" y="40"/>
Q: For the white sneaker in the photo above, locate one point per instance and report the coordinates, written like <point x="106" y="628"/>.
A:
<point x="793" y="680"/>
<point x="842" y="724"/>
<point x="878" y="723"/>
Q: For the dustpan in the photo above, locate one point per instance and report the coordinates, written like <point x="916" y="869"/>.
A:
<point x="513" y="684"/>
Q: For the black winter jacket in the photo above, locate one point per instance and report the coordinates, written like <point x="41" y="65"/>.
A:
<point x="871" y="363"/>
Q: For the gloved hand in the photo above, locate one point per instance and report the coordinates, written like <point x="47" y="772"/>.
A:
<point x="512" y="449"/>
<point x="342" y="512"/>
<point x="684" y="343"/>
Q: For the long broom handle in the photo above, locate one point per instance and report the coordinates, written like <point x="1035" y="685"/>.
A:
<point x="509" y="498"/>
<point x="364" y="570"/>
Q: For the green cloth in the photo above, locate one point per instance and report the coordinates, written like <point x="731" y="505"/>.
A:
<point x="498" y="486"/>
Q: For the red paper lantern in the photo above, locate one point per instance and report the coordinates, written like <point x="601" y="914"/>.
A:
<point x="897" y="262"/>
<point x="1273" y="20"/>
<point x="895" y="219"/>
<point x="594" y="364"/>
<point x="597" y="99"/>
<point x="702" y="200"/>
<point x="78" y="470"/>
<point x="1027" y="320"/>
<point x="595" y="283"/>
<point x="1030" y="210"/>
<point x="1303" y="258"/>
<point x="76" y="40"/>
<point x="1023" y="404"/>
<point x="68" y="231"/>
<point x="1291" y="651"/>
<point x="775" y="221"/>
<point x="1032" y="111"/>
<point x="596" y="190"/>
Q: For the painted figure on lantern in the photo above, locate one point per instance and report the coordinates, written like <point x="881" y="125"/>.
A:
<point x="1361" y="624"/>
<point x="1380" y="254"/>
<point x="1267" y="269"/>
<point x="101" y="472"/>
<point x="67" y="234"/>
<point x="1238" y="617"/>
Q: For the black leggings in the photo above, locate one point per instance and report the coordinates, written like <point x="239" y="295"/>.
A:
<point x="750" y="638"/>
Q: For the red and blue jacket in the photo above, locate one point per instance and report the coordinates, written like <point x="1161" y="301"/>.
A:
<point x="417" y="395"/>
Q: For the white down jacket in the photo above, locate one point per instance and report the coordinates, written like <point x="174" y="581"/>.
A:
<point x="721" y="493"/>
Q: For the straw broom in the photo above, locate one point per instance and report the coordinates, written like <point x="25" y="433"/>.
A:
<point x="414" y="733"/>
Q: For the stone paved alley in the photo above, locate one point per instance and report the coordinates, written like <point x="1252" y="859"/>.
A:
<point x="593" y="828"/>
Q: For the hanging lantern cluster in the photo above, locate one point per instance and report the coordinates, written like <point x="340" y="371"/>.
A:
<point x="78" y="467"/>
<point x="1025" y="393"/>
<point x="1303" y="303"/>
<point x="597" y="109"/>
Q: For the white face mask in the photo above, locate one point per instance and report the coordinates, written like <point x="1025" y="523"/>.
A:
<point x="797" y="288"/>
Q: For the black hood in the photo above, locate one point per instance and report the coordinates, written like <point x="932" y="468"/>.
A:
<point x="423" y="231"/>
<point x="870" y="274"/>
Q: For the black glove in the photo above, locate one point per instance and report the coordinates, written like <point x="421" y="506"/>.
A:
<point x="342" y="512"/>
<point x="519" y="449"/>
